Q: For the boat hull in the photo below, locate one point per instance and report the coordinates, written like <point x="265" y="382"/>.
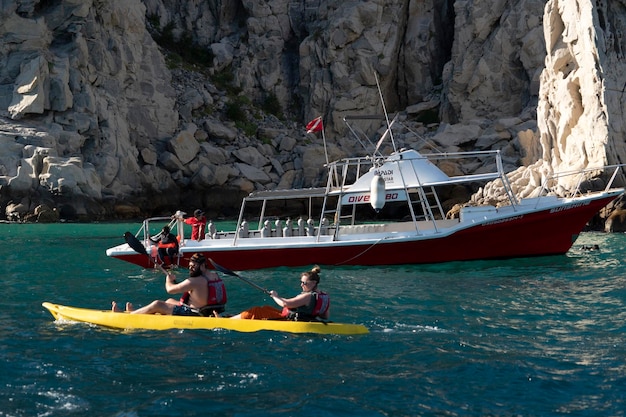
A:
<point x="551" y="231"/>
<point x="112" y="319"/>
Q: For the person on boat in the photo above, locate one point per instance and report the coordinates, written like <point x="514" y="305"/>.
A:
<point x="167" y="245"/>
<point x="204" y="293"/>
<point x="198" y="225"/>
<point x="310" y="305"/>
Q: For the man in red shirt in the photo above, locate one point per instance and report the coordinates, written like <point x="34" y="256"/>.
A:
<point x="198" y="225"/>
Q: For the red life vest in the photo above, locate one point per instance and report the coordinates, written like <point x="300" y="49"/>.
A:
<point x="168" y="241"/>
<point x="322" y="304"/>
<point x="217" y="294"/>
<point x="317" y="307"/>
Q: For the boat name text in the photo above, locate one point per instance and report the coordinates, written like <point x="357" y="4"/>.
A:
<point x="569" y="206"/>
<point x="365" y="198"/>
<point x="508" y="219"/>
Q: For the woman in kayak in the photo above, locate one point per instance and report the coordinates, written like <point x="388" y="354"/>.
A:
<point x="310" y="305"/>
<point x="204" y="293"/>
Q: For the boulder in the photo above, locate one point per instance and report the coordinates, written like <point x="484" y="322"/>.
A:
<point x="214" y="154"/>
<point x="185" y="146"/>
<point x="616" y="222"/>
<point x="29" y="95"/>
<point x="45" y="214"/>
<point x="458" y="134"/>
<point x="251" y="156"/>
<point x="253" y="174"/>
<point x="287" y="143"/>
<point x="223" y="53"/>
<point x="26" y="179"/>
<point x="148" y="156"/>
<point x="218" y="130"/>
<point x="17" y="211"/>
<point x="70" y="177"/>
<point x="170" y="162"/>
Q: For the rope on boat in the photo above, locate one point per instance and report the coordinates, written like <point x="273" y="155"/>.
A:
<point x="360" y="254"/>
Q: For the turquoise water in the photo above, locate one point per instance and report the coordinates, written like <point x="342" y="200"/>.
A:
<point x="529" y="337"/>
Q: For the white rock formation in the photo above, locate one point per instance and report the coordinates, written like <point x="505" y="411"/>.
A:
<point x="580" y="112"/>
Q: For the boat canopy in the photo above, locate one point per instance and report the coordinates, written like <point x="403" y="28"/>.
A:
<point x="406" y="169"/>
<point x="286" y="194"/>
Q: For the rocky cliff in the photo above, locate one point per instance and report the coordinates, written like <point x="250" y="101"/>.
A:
<point x="125" y="109"/>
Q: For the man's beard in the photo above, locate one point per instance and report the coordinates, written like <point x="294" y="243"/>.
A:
<point x="195" y="272"/>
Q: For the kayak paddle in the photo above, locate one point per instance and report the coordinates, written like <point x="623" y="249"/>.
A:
<point x="234" y="274"/>
<point x="135" y="244"/>
<point x="138" y="247"/>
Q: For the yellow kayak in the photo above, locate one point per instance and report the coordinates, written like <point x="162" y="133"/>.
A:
<point x="112" y="319"/>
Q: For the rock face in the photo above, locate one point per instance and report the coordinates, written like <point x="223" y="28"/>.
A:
<point x="581" y="108"/>
<point x="92" y="96"/>
<point x="99" y="121"/>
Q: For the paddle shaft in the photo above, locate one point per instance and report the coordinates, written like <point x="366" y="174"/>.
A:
<point x="234" y="274"/>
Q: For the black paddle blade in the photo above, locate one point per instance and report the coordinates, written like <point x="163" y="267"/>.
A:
<point x="135" y="244"/>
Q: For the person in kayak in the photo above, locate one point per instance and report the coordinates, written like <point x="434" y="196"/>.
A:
<point x="167" y="244"/>
<point x="204" y="293"/>
<point x="310" y="305"/>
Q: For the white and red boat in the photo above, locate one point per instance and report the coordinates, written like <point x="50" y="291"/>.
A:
<point x="340" y="224"/>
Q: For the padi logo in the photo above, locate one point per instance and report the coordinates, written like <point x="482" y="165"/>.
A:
<point x="387" y="174"/>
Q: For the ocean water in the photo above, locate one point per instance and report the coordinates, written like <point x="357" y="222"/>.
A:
<point x="525" y="337"/>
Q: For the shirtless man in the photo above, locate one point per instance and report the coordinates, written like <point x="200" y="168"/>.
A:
<point x="203" y="292"/>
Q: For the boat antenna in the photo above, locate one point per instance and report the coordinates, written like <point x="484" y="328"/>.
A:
<point x="382" y="101"/>
<point x="355" y="133"/>
<point x="387" y="132"/>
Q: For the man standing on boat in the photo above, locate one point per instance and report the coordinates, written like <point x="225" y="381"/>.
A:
<point x="204" y="293"/>
<point x="197" y="223"/>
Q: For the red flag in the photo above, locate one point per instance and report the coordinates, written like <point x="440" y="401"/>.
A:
<point x="315" y="125"/>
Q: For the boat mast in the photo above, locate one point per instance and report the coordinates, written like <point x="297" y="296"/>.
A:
<point x="505" y="181"/>
<point x="382" y="102"/>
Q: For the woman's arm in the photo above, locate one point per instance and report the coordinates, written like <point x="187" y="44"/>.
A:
<point x="294" y="302"/>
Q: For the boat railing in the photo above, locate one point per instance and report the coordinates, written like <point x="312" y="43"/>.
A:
<point x="278" y="228"/>
<point x="360" y="163"/>
<point x="318" y="232"/>
<point x="146" y="232"/>
<point x="420" y="192"/>
<point x="553" y="184"/>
